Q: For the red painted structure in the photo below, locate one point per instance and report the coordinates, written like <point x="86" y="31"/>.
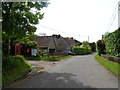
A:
<point x="18" y="48"/>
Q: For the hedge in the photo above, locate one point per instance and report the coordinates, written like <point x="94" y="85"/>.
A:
<point x="112" y="42"/>
<point x="82" y="50"/>
<point x="13" y="68"/>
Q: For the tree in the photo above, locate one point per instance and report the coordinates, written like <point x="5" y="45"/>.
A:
<point x="93" y="46"/>
<point x="100" y="46"/>
<point x="56" y="36"/>
<point x="85" y="44"/>
<point x="18" y="20"/>
<point x="78" y="42"/>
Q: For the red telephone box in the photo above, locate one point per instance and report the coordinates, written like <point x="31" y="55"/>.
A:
<point x="18" y="48"/>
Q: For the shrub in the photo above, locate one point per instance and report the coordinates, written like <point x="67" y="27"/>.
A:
<point x="89" y="50"/>
<point x="100" y="47"/>
<point x="13" y="62"/>
<point x="14" y="67"/>
<point x="112" y="42"/>
<point x="82" y="50"/>
<point x="79" y="50"/>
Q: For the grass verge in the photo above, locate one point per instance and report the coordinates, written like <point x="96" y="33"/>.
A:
<point x="55" y="58"/>
<point x="112" y="66"/>
<point x="46" y="58"/>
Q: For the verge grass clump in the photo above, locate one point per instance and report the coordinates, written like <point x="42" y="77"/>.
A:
<point x="112" y="66"/>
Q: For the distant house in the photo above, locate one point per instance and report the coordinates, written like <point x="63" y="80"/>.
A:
<point x="51" y="44"/>
<point x="45" y="43"/>
<point x="70" y="42"/>
<point x="65" y="44"/>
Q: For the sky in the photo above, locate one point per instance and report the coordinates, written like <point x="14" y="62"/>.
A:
<point x="79" y="18"/>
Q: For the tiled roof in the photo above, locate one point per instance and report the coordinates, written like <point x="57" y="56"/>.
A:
<point x="43" y="41"/>
<point x="70" y="41"/>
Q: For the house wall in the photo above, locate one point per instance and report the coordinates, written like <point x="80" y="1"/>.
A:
<point x="68" y="47"/>
<point x="51" y="44"/>
<point x="64" y="46"/>
<point x="61" y="44"/>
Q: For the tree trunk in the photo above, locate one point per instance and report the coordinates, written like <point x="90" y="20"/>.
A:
<point x="9" y="47"/>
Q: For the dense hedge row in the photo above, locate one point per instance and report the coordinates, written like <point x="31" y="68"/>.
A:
<point x="12" y="62"/>
<point x="112" y="43"/>
<point x="82" y="50"/>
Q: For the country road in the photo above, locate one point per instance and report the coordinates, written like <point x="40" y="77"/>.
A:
<point x="77" y="72"/>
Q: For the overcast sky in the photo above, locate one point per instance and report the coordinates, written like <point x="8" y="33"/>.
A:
<point x="78" y="18"/>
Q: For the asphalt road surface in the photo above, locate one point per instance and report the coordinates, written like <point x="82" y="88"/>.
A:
<point x="76" y="72"/>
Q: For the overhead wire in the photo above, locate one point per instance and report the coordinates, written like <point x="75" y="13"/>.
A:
<point x="112" y="19"/>
<point x="53" y="29"/>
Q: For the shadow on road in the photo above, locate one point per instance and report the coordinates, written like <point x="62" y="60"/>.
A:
<point x="53" y="80"/>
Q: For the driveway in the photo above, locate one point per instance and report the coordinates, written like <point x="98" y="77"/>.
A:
<point x="76" y="72"/>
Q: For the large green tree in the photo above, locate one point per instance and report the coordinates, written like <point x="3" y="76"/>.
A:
<point x="85" y="44"/>
<point x="18" y="19"/>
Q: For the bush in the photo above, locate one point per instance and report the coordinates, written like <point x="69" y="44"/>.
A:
<point x="14" y="67"/>
<point x="89" y="50"/>
<point x="100" y="47"/>
<point x="13" y="62"/>
<point x="79" y="50"/>
<point x="112" y="42"/>
<point x="82" y="50"/>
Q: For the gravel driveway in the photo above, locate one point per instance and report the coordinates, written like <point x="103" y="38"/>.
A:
<point x="76" y="72"/>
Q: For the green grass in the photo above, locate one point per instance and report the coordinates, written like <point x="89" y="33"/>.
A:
<point x="33" y="58"/>
<point x="46" y="58"/>
<point x="112" y="66"/>
<point x="55" y="58"/>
